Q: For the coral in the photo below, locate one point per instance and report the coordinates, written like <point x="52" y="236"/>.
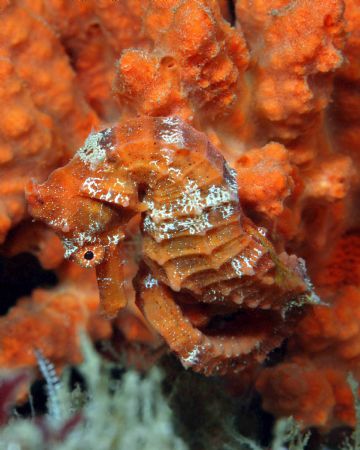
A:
<point x="38" y="240"/>
<point x="84" y="39"/>
<point x="297" y="389"/>
<point x="41" y="53"/>
<point x="40" y="107"/>
<point x="49" y="321"/>
<point x="342" y="267"/>
<point x="26" y="134"/>
<point x="198" y="247"/>
<point x="193" y="67"/>
<point x="264" y="179"/>
<point x="346" y="105"/>
<point x="328" y="333"/>
<point x="295" y="57"/>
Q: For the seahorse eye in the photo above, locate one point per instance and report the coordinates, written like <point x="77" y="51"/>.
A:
<point x="90" y="256"/>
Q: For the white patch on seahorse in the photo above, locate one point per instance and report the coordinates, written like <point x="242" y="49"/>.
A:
<point x="173" y="135"/>
<point x="262" y="231"/>
<point x="120" y="183"/>
<point x="194" y="225"/>
<point x="83" y="238"/>
<point x="246" y="261"/>
<point x="226" y="211"/>
<point x="217" y="195"/>
<point x="69" y="246"/>
<point x="237" y="266"/>
<point x="106" y="197"/>
<point x="159" y="214"/>
<point x="214" y="296"/>
<point x="122" y="200"/>
<point x="191" y="200"/>
<point x="252" y="258"/>
<point x="93" y="152"/>
<point x="245" y="264"/>
<point x="90" y="185"/>
<point x="150" y="281"/>
<point x="149" y="225"/>
<point x="313" y="297"/>
<point x="60" y="223"/>
<point x="155" y="163"/>
<point x="95" y="227"/>
<point x="193" y="356"/>
<point x="163" y="213"/>
<point x="167" y="154"/>
<point x="231" y="182"/>
<point x="176" y="172"/>
<point x="164" y="220"/>
<point x="167" y="230"/>
<point x="115" y="239"/>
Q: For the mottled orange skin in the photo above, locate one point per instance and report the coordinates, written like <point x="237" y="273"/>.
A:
<point x="197" y="247"/>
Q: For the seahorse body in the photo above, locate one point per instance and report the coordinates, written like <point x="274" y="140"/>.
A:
<point x="195" y="236"/>
<point x="202" y="259"/>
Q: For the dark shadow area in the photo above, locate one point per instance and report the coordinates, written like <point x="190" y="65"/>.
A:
<point x="277" y="355"/>
<point x="19" y="275"/>
<point x="37" y="405"/>
<point x="231" y="7"/>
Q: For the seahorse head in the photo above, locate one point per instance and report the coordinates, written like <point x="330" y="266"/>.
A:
<point x="89" y="203"/>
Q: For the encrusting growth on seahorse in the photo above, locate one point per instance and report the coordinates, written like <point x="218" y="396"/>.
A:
<point x="209" y="280"/>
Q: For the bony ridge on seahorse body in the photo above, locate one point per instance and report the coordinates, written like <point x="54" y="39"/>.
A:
<point x="207" y="271"/>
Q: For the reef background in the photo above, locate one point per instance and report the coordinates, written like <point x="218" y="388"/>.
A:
<point x="275" y="85"/>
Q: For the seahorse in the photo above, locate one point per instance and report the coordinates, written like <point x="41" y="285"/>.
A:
<point x="210" y="282"/>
